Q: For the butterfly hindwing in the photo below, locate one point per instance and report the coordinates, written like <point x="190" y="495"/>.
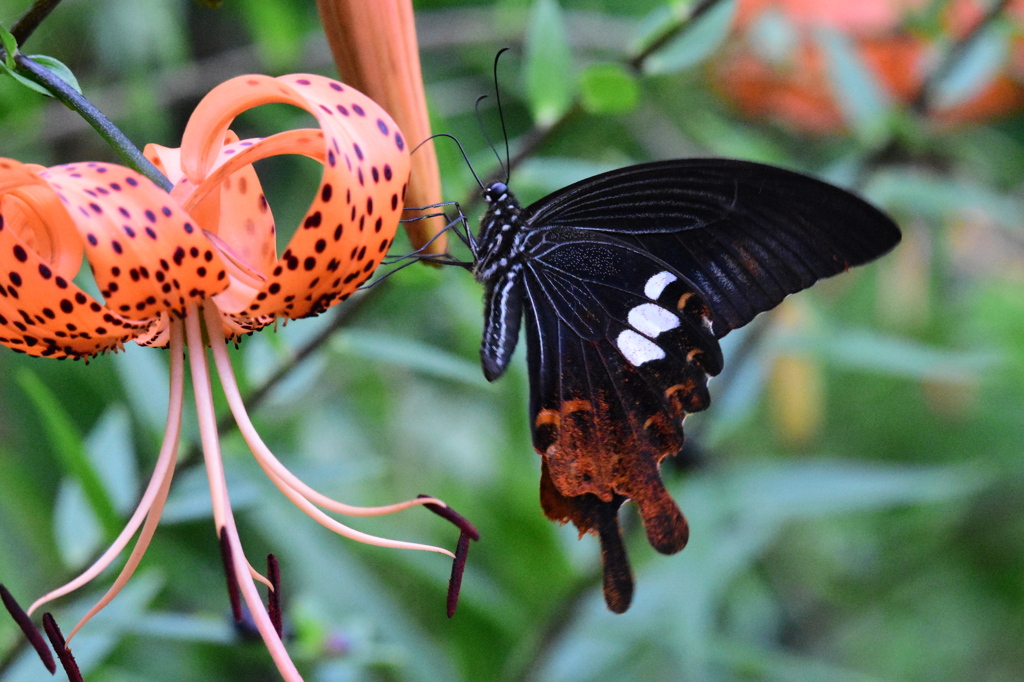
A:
<point x="620" y="351"/>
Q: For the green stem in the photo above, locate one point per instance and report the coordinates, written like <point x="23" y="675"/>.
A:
<point x="72" y="99"/>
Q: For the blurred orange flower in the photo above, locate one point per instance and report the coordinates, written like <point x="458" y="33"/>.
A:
<point x="796" y="88"/>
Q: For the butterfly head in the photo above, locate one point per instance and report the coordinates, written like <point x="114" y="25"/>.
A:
<point x="496" y="192"/>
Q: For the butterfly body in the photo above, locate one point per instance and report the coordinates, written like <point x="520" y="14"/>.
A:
<point x="625" y="282"/>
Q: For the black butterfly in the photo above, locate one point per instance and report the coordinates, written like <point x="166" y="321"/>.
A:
<point x="627" y="280"/>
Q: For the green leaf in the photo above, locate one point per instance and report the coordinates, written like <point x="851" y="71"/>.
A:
<point x="57" y="68"/>
<point x="549" y="173"/>
<point x="774" y="38"/>
<point x="408" y="353"/>
<point x="608" y="89"/>
<point x="111" y="448"/>
<point x="869" y="351"/>
<point x="550" y="81"/>
<point x="68" y="444"/>
<point x="143" y="376"/>
<point x="75" y="528"/>
<point x="941" y="197"/>
<point x="277" y="29"/>
<point x="30" y="84"/>
<point x="695" y="42"/>
<point x="863" y="103"/>
<point x="654" y="25"/>
<point x="980" y="63"/>
<point x="10" y="45"/>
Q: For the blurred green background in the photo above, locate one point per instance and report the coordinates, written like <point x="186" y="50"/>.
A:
<point x="855" y="492"/>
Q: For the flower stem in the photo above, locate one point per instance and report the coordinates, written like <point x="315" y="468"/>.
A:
<point x="72" y="99"/>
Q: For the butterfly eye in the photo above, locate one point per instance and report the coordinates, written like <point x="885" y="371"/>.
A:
<point x="495" y="191"/>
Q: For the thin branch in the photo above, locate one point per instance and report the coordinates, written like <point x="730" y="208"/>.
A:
<point x="30" y="20"/>
<point x="342" y="316"/>
<point x="680" y="26"/>
<point x="71" y="98"/>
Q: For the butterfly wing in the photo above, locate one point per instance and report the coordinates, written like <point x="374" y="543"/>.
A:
<point x="745" y="234"/>
<point x="619" y="349"/>
<point x="631" y="278"/>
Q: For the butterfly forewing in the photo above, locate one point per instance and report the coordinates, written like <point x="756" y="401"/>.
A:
<point x="745" y="234"/>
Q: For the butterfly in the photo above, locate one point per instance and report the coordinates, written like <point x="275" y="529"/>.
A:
<point x="626" y="282"/>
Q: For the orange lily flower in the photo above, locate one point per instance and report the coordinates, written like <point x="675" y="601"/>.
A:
<point x="197" y="267"/>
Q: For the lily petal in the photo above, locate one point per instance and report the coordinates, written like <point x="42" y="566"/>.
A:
<point x="42" y="312"/>
<point x="146" y="252"/>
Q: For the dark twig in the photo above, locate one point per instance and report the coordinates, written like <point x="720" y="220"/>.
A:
<point x="30" y="20"/>
<point x="679" y="27"/>
<point x="922" y="103"/>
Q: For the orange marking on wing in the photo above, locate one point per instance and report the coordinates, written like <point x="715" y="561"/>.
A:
<point x="578" y="405"/>
<point x="545" y="417"/>
<point x="672" y="390"/>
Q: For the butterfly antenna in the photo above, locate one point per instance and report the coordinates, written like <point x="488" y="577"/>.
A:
<point x="501" y="114"/>
<point x="461" y="149"/>
<point x="483" y="129"/>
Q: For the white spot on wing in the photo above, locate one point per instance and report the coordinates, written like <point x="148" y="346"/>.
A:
<point x="657" y="283"/>
<point x="651" y="320"/>
<point x="638" y="349"/>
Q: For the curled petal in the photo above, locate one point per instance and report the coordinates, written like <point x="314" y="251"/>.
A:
<point x="355" y="213"/>
<point x="147" y="254"/>
<point x="42" y="311"/>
